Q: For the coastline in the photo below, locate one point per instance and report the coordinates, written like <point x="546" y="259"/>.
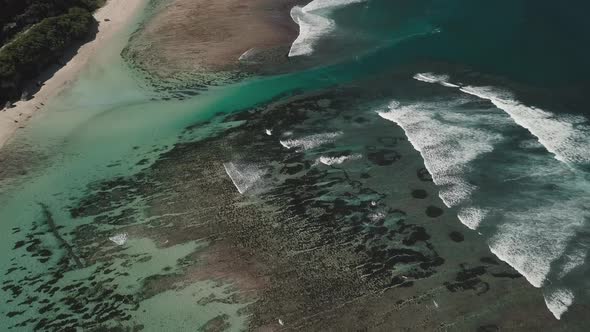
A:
<point x="118" y="13"/>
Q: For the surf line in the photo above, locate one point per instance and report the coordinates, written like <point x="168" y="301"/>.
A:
<point x="313" y="23"/>
<point x="564" y="136"/>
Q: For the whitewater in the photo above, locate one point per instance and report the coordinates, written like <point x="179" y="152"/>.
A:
<point x="478" y="150"/>
<point x="314" y="23"/>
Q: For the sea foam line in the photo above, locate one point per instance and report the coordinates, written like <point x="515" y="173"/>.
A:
<point x="447" y="154"/>
<point x="567" y="137"/>
<point x="528" y="240"/>
<point x="558" y="301"/>
<point x="313" y="24"/>
<point x="311" y="141"/>
<point x="338" y="160"/>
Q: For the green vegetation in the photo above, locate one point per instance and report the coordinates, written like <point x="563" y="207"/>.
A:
<point x="17" y="15"/>
<point x="35" y="34"/>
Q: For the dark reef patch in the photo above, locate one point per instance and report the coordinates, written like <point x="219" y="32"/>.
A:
<point x="434" y="212"/>
<point x="419" y="193"/>
<point x="488" y="328"/>
<point x="383" y="157"/>
<point x="456" y="236"/>
<point x="424" y="175"/>
<point x="468" y="279"/>
<point x="489" y="260"/>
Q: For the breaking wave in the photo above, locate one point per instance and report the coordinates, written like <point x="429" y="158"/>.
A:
<point x="473" y="151"/>
<point x="337" y="160"/>
<point x="310" y="142"/>
<point x="530" y="242"/>
<point x="558" y="301"/>
<point x="448" y="153"/>
<point x="313" y="24"/>
<point x="566" y="136"/>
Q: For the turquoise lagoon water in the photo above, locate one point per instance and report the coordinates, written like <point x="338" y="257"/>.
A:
<point x="506" y="79"/>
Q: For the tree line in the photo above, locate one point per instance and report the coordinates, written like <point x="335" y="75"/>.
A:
<point x="34" y="34"/>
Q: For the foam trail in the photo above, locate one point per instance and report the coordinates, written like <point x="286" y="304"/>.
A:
<point x="331" y="4"/>
<point x="377" y="216"/>
<point x="243" y="176"/>
<point x="119" y="239"/>
<point x="246" y="57"/>
<point x="337" y="160"/>
<point x="565" y="136"/>
<point x="536" y="224"/>
<point x="530" y="242"/>
<point x="310" y="142"/>
<point x="558" y="301"/>
<point x="448" y="153"/>
<point x="313" y="25"/>
<point x="432" y="78"/>
<point x="531" y="144"/>
<point x="572" y="261"/>
<point x="311" y="28"/>
<point x="472" y="216"/>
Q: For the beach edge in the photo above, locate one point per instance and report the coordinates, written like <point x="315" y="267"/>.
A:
<point x="114" y="16"/>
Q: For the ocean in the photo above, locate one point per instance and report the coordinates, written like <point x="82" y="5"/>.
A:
<point x="414" y="164"/>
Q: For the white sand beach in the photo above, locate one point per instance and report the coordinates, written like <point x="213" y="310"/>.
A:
<point x="117" y="14"/>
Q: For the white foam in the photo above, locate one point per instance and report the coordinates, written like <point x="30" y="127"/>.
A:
<point x="311" y="28"/>
<point x="433" y="78"/>
<point x="313" y="24"/>
<point x="472" y="217"/>
<point x="310" y="142"/>
<point x="247" y="56"/>
<point x="572" y="261"/>
<point x="558" y="301"/>
<point x="435" y="304"/>
<point x="119" y="239"/>
<point x="377" y="216"/>
<point x="565" y="136"/>
<point x="536" y="224"/>
<point x="535" y="237"/>
<point x="454" y="190"/>
<point x="243" y="176"/>
<point x="530" y="144"/>
<point x="268" y="132"/>
<point x="328" y="4"/>
<point x="448" y="153"/>
<point x="338" y="160"/>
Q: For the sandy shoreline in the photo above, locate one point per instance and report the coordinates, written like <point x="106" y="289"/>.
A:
<point x="119" y="13"/>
